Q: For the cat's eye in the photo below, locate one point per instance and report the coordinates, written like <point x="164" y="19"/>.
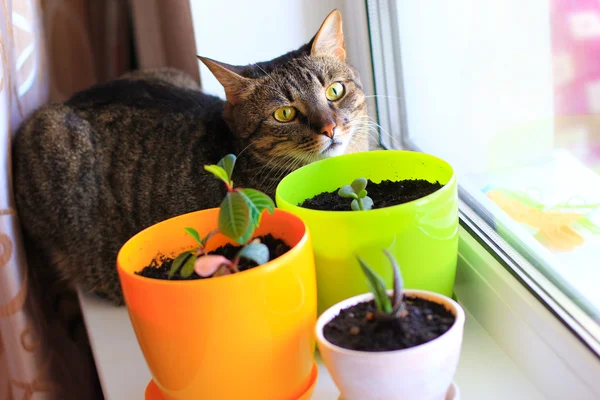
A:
<point x="285" y="114"/>
<point x="335" y="91"/>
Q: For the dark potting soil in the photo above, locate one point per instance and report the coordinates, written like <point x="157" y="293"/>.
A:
<point x="384" y="194"/>
<point x="351" y="329"/>
<point x="159" y="267"/>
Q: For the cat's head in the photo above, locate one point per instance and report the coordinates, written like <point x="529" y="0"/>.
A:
<point x="303" y="106"/>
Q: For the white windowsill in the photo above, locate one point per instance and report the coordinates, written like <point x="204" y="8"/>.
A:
<point x="484" y="372"/>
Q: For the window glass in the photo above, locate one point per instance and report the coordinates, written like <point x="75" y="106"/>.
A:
<point x="508" y="91"/>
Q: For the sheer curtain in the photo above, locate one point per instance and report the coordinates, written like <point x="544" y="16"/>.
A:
<point x="48" y="50"/>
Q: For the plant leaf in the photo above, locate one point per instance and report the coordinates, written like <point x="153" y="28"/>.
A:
<point x="188" y="267"/>
<point x="362" y="194"/>
<point x="347" y="192"/>
<point x="208" y="236"/>
<point x="377" y="287"/>
<point x="234" y="215"/>
<point x="358" y="184"/>
<point x="246" y="236"/>
<point x="255" y="251"/>
<point x="354" y="205"/>
<point x="258" y="202"/>
<point x="219" y="172"/>
<point x="178" y="262"/>
<point x="194" y="233"/>
<point x="227" y="163"/>
<point x="254" y="218"/>
<point x="398" y="297"/>
<point x="367" y="203"/>
<point x="207" y="265"/>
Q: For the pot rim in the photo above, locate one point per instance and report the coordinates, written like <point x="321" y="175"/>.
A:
<point x="334" y="310"/>
<point x="372" y="213"/>
<point x="273" y="264"/>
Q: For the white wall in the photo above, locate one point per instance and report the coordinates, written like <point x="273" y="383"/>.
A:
<point x="240" y="32"/>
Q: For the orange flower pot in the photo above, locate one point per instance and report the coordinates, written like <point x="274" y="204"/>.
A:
<point x="243" y="336"/>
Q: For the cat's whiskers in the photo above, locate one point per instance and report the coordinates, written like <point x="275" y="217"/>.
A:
<point x="365" y="130"/>
<point x="274" y="157"/>
<point x="276" y="163"/>
<point x="368" y="133"/>
<point x="289" y="157"/>
<point x="383" y="96"/>
<point x="273" y="179"/>
<point x="280" y="90"/>
<point x="362" y="129"/>
<point x="371" y="122"/>
<point x="283" y="172"/>
<point x="245" y="148"/>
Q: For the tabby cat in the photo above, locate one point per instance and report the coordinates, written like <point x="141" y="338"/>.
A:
<point x="118" y="157"/>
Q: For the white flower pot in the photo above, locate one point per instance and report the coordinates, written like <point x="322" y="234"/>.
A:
<point x="422" y="372"/>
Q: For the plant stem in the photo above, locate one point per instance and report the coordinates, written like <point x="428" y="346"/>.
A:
<point x="234" y="265"/>
<point x="360" y="204"/>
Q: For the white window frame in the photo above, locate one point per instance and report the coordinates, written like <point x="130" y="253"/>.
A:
<point x="511" y="299"/>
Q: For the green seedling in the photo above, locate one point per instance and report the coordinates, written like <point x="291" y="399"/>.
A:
<point x="215" y="265"/>
<point x="357" y="191"/>
<point x="387" y="309"/>
<point x="184" y="262"/>
<point x="241" y="209"/>
<point x="239" y="215"/>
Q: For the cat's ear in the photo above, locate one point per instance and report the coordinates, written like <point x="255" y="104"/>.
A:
<point x="329" y="40"/>
<point x="234" y="84"/>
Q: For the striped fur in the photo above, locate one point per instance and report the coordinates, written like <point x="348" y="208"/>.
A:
<point x="118" y="157"/>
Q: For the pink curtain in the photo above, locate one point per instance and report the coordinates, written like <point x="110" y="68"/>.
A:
<point x="575" y="50"/>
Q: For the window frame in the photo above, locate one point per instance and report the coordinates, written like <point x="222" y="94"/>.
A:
<point x="539" y="308"/>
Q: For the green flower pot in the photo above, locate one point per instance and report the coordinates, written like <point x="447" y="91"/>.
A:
<point x="421" y="234"/>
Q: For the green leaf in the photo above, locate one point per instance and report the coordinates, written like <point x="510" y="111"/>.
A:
<point x="234" y="215"/>
<point x="247" y="235"/>
<point x="258" y="202"/>
<point x="377" y="287"/>
<point x="398" y="297"/>
<point x="362" y="194"/>
<point x="255" y="251"/>
<point x="219" y="172"/>
<point x="188" y="267"/>
<point x="178" y="262"/>
<point x="347" y="192"/>
<point x="354" y="205"/>
<point x="206" y="238"/>
<point x="367" y="203"/>
<point x="227" y="163"/>
<point x="358" y="185"/>
<point x="194" y="233"/>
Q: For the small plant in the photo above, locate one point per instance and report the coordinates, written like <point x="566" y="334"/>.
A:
<point x="241" y="209"/>
<point x="239" y="215"/>
<point x="357" y="191"/>
<point x="185" y="262"/>
<point x="387" y="309"/>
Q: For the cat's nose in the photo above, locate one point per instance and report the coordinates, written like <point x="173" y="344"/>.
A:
<point x="329" y="129"/>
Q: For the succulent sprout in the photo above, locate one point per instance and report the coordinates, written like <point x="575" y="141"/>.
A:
<point x="386" y="308"/>
<point x="358" y="193"/>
